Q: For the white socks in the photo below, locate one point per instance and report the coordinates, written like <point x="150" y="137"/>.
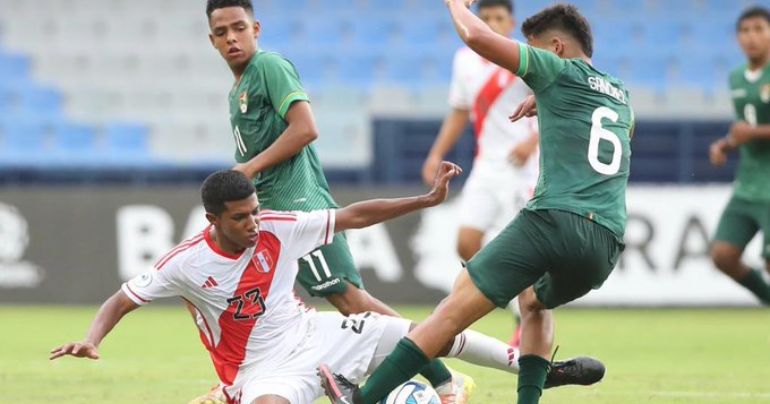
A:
<point x="479" y="349"/>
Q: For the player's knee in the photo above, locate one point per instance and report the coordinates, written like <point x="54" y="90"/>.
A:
<point x="529" y="305"/>
<point x="352" y="301"/>
<point x="725" y="257"/>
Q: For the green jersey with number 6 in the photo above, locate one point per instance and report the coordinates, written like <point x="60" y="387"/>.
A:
<point x="258" y="106"/>
<point x="585" y="131"/>
<point x="751" y="99"/>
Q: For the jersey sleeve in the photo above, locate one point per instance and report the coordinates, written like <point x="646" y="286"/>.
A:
<point x="310" y="231"/>
<point x="538" y="68"/>
<point x="152" y="285"/>
<point x="282" y="81"/>
<point x="459" y="93"/>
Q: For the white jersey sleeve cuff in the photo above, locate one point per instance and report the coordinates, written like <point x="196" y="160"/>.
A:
<point x="133" y="295"/>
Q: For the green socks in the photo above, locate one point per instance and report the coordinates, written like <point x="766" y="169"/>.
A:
<point x="532" y="373"/>
<point x="401" y="365"/>
<point x="754" y="282"/>
<point x="436" y="372"/>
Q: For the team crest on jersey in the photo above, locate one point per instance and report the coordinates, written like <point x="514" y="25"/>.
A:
<point x="262" y="261"/>
<point x="764" y="93"/>
<point x="243" y="101"/>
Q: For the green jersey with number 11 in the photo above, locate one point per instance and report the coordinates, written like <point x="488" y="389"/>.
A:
<point x="585" y="137"/>
<point x="258" y="106"/>
<point x="751" y="100"/>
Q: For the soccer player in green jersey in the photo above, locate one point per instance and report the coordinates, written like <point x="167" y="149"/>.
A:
<point x="749" y="208"/>
<point x="568" y="238"/>
<point x="273" y="128"/>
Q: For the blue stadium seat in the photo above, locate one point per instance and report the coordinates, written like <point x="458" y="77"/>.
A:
<point x="74" y="144"/>
<point x="359" y="69"/>
<point x="373" y="31"/>
<point x="13" y="66"/>
<point x="41" y="100"/>
<point x="423" y="31"/>
<point x="27" y="136"/>
<point x="323" y="31"/>
<point x="126" y="143"/>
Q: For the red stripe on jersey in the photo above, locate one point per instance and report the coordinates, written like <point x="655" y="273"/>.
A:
<point x="135" y="295"/>
<point x="240" y="317"/>
<point x="272" y="218"/>
<point x="215" y="247"/>
<point x="490" y="92"/>
<point x="277" y="212"/>
<point x="176" y="250"/>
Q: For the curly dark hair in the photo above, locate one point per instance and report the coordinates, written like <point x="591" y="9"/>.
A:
<point x="565" y="18"/>
<point x="508" y="4"/>
<point x="212" y="5"/>
<point x="224" y="186"/>
<point x="753" y="12"/>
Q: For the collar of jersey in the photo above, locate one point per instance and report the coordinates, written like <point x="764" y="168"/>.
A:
<point x="214" y="247"/>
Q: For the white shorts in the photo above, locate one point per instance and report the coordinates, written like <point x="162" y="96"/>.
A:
<point x="492" y="196"/>
<point x="351" y="346"/>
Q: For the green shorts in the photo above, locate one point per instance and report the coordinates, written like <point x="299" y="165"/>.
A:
<point x="562" y="254"/>
<point x="327" y="270"/>
<point x="740" y="222"/>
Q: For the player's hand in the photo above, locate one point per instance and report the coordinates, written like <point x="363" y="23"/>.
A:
<point x="446" y="171"/>
<point x="76" y="349"/>
<point x="740" y="133"/>
<point x="527" y="108"/>
<point x="429" y="168"/>
<point x="246" y="170"/>
<point x="717" y="153"/>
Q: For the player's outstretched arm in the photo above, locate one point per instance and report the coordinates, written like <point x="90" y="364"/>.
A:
<point x="451" y="130"/>
<point x="108" y="315"/>
<point x="367" y="213"/>
<point x="300" y="132"/>
<point x="743" y="132"/>
<point x="496" y="48"/>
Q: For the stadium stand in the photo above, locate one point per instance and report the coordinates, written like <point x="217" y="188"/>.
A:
<point x="89" y="76"/>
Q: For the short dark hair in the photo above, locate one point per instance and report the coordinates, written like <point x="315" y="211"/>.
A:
<point x="224" y="186"/>
<point x="753" y="12"/>
<point x="563" y="17"/>
<point x="212" y="5"/>
<point x="508" y="4"/>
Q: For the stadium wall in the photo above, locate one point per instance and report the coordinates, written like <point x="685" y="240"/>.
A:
<point x="76" y="245"/>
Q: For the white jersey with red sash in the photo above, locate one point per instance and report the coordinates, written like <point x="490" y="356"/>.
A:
<point x="491" y="94"/>
<point x="247" y="314"/>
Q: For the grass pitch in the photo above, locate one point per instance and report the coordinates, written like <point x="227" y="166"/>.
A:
<point x="154" y="356"/>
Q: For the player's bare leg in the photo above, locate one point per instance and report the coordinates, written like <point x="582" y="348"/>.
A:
<point x="270" y="400"/>
<point x="354" y="300"/>
<point x="458" y="311"/>
<point x="727" y="258"/>
<point x="469" y="242"/>
<point x="536" y="344"/>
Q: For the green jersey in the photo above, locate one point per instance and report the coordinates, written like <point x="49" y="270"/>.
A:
<point x="258" y="106"/>
<point x="585" y="131"/>
<point x="751" y="100"/>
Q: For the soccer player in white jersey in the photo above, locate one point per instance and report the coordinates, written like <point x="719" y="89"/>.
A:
<point x="505" y="169"/>
<point x="239" y="275"/>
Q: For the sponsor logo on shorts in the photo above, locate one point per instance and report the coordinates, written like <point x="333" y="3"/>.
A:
<point x="326" y="284"/>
